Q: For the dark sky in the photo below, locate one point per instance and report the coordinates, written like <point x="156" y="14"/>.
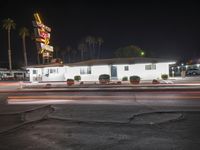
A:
<point x="163" y="29"/>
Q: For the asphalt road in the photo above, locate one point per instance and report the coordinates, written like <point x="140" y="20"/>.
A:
<point x="123" y="97"/>
<point x="109" y="120"/>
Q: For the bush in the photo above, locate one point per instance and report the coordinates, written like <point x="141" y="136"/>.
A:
<point x="104" y="78"/>
<point x="155" y="81"/>
<point x="48" y="85"/>
<point x="134" y="79"/>
<point x="125" y="79"/>
<point x="70" y="81"/>
<point x="119" y="82"/>
<point x="77" y="78"/>
<point x="164" y="76"/>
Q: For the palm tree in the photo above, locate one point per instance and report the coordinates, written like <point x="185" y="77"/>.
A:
<point x="63" y="54"/>
<point x="89" y="40"/>
<point x="74" y="53"/>
<point x="24" y="32"/>
<point x="9" y="24"/>
<point x="82" y="47"/>
<point x="100" y="42"/>
<point x="68" y="49"/>
<point x="38" y="51"/>
<point x="93" y="43"/>
<point x="56" y="50"/>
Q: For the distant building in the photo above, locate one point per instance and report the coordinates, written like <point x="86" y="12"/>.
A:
<point x="19" y="74"/>
<point x="117" y="68"/>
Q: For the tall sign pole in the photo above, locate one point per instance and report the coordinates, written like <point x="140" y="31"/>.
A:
<point x="42" y="38"/>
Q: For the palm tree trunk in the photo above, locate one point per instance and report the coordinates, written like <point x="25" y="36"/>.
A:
<point x="56" y="54"/>
<point x="63" y="57"/>
<point x="9" y="51"/>
<point x="82" y="54"/>
<point x="93" y="51"/>
<point x="24" y="48"/>
<point x="38" y="58"/>
<point x="43" y="60"/>
<point x="91" y="54"/>
<point x="98" y="52"/>
<point x="68" y="58"/>
<point x="98" y="55"/>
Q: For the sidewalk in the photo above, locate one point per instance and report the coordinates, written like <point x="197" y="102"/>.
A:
<point x="176" y="81"/>
<point x="172" y="83"/>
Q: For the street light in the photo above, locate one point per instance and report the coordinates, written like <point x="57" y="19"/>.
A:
<point x="142" y="53"/>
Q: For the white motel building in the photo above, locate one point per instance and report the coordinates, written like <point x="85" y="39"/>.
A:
<point x="117" y="68"/>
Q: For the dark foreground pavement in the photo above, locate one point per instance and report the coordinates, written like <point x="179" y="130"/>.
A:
<point x="99" y="127"/>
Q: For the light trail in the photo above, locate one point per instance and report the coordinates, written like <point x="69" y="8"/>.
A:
<point x="9" y="83"/>
<point x="134" y="97"/>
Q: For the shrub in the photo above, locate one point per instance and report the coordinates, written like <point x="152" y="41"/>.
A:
<point x="164" y="76"/>
<point x="70" y="82"/>
<point x="77" y="78"/>
<point x="155" y="81"/>
<point x="104" y="78"/>
<point x="125" y="79"/>
<point x="134" y="79"/>
<point x="48" y="85"/>
<point x="119" y="82"/>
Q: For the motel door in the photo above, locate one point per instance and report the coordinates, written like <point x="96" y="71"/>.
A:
<point x="113" y="72"/>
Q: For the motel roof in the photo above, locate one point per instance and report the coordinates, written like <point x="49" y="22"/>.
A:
<point x="46" y="65"/>
<point x="135" y="60"/>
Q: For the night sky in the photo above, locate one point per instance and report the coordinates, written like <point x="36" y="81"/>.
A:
<point x="162" y="29"/>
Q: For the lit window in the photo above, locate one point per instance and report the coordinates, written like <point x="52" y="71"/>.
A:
<point x="126" y="68"/>
<point x="52" y="70"/>
<point x="88" y="70"/>
<point x="150" y="67"/>
<point x="82" y="71"/>
<point x="85" y="70"/>
<point x="34" y="71"/>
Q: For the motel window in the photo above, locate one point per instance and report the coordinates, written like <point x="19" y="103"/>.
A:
<point x="85" y="70"/>
<point x="8" y="74"/>
<point x="53" y="70"/>
<point x="150" y="67"/>
<point x="82" y="71"/>
<point x="34" y="71"/>
<point x="88" y="70"/>
<point x="126" y="68"/>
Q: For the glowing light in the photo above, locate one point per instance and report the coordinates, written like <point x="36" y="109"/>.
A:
<point x="42" y="33"/>
<point x="37" y="17"/>
<point x="46" y="47"/>
<point x="42" y="36"/>
<point x="142" y="53"/>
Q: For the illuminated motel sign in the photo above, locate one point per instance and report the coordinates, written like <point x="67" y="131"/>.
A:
<point x="42" y="37"/>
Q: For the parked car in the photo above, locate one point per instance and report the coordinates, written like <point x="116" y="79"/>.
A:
<point x="193" y="72"/>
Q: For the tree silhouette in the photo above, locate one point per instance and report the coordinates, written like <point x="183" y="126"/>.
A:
<point x="9" y="24"/>
<point x="129" y="51"/>
<point x="82" y="47"/>
<point x="99" y="42"/>
<point x="24" y="32"/>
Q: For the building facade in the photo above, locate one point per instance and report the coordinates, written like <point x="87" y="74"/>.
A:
<point x="145" y="68"/>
